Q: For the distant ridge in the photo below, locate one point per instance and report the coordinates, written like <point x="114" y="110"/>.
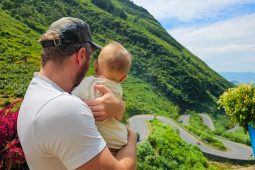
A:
<point x="239" y="77"/>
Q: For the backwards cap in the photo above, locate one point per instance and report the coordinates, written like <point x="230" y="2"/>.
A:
<point x="71" y="31"/>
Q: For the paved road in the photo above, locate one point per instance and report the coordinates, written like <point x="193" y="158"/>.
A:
<point x="234" y="128"/>
<point x="140" y="126"/>
<point x="207" y="121"/>
<point x="184" y="119"/>
<point x="235" y="150"/>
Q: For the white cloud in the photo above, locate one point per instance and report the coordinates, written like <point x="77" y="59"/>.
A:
<point x="185" y="10"/>
<point x="228" y="43"/>
<point x="225" y="45"/>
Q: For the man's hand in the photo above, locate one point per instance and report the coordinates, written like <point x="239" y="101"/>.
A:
<point x="107" y="106"/>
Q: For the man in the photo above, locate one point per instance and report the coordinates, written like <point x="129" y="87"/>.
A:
<point x="57" y="130"/>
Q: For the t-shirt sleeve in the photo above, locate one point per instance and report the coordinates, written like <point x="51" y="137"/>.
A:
<point x="69" y="132"/>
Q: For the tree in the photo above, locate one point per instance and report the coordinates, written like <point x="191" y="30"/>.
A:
<point x="239" y="104"/>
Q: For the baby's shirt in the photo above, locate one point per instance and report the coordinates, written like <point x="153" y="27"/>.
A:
<point x="114" y="133"/>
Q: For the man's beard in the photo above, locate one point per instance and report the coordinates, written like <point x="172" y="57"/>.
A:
<point x="81" y="74"/>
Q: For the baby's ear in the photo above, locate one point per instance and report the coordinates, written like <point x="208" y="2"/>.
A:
<point x="124" y="77"/>
<point x="95" y="65"/>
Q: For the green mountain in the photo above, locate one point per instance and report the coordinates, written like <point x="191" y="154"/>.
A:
<point x="164" y="77"/>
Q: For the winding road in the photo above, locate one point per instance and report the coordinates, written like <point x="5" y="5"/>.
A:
<point x="234" y="129"/>
<point x="184" y="119"/>
<point x="235" y="150"/>
<point x="207" y="121"/>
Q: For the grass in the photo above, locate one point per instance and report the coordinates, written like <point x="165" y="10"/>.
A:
<point x="228" y="166"/>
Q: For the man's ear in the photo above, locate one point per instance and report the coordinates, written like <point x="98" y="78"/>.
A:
<point x="81" y="56"/>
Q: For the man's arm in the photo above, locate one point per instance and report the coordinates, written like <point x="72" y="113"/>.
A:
<point x="107" y="106"/>
<point x="125" y="158"/>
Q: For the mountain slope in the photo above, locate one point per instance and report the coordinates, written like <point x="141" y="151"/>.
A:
<point x="169" y="69"/>
<point x="19" y="53"/>
<point x="19" y="60"/>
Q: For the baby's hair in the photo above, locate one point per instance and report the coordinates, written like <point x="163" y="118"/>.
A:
<point x="116" y="57"/>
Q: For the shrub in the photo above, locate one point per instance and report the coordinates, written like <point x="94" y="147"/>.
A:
<point x="239" y="104"/>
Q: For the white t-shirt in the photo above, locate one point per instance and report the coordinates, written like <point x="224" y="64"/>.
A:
<point x="56" y="130"/>
<point x="113" y="131"/>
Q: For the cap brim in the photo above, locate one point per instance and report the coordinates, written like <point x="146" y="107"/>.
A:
<point x="96" y="46"/>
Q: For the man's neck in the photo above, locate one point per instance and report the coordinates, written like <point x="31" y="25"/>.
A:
<point x="61" y="76"/>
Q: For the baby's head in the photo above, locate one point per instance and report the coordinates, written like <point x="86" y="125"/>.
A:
<point x="113" y="62"/>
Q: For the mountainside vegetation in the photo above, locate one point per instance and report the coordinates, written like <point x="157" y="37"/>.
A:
<point x="165" y="76"/>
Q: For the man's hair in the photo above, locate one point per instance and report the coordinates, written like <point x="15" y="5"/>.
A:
<point x="59" y="53"/>
<point x="117" y="58"/>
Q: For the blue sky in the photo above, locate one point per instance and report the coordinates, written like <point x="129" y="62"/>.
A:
<point x="220" y="32"/>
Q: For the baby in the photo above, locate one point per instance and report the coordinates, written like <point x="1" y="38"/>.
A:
<point x="111" y="69"/>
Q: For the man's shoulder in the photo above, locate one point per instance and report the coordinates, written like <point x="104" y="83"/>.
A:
<point x="66" y="98"/>
<point x="63" y="108"/>
<point x="67" y="101"/>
